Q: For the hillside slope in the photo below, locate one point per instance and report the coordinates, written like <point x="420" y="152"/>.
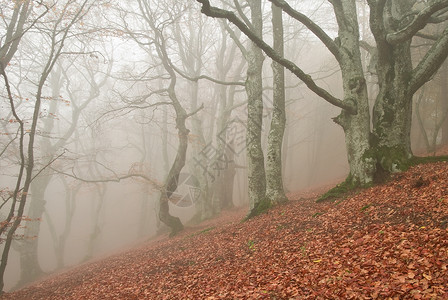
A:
<point x="387" y="241"/>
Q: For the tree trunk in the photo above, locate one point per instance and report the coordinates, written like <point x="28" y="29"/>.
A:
<point x="223" y="189"/>
<point x="228" y="177"/>
<point x="172" y="179"/>
<point x="392" y="112"/>
<point x="30" y="269"/>
<point x="173" y="176"/>
<point x="274" y="178"/>
<point x="96" y="228"/>
<point x="256" y="171"/>
<point x="444" y="100"/>
<point x="29" y="261"/>
<point x="356" y="126"/>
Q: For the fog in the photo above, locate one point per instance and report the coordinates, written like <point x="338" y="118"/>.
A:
<point x="106" y="132"/>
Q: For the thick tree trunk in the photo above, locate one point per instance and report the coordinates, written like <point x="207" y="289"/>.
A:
<point x="274" y="176"/>
<point x="444" y="101"/>
<point x="61" y="241"/>
<point x="164" y="214"/>
<point x="256" y="171"/>
<point x="392" y="113"/>
<point x="218" y="181"/>
<point x="356" y="126"/>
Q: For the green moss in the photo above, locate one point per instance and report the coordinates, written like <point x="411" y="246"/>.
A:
<point x="417" y="160"/>
<point x="339" y="191"/>
<point x="394" y="159"/>
<point x="388" y="160"/>
<point x="203" y="231"/>
<point x="260" y="207"/>
<point x="251" y="245"/>
<point x="365" y="207"/>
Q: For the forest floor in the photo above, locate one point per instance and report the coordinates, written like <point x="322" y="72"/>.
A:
<point x="386" y="242"/>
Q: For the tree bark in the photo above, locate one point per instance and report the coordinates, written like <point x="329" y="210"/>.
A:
<point x="29" y="262"/>
<point x="356" y="126"/>
<point x="398" y="80"/>
<point x="274" y="176"/>
<point x="254" y="86"/>
<point x="392" y="112"/>
<point x="179" y="162"/>
<point x="393" y="26"/>
<point x="444" y="101"/>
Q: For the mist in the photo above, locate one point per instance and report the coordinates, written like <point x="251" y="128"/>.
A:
<point x="109" y="80"/>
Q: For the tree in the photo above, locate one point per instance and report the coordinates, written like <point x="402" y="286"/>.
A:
<point x="158" y="44"/>
<point x="274" y="178"/>
<point x="191" y="40"/>
<point x="21" y="20"/>
<point x="56" y="29"/>
<point x="93" y="75"/>
<point x="254" y="90"/>
<point x="226" y="141"/>
<point x="393" y="23"/>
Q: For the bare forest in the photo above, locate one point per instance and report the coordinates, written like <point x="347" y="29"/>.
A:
<point x="122" y="122"/>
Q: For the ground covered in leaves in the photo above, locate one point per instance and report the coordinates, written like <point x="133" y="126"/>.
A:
<point x="389" y="241"/>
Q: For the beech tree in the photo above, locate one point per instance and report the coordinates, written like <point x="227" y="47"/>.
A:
<point x="393" y="23"/>
<point x="254" y="90"/>
<point x="56" y="29"/>
<point x="223" y="185"/>
<point x="150" y="38"/>
<point x="19" y="17"/>
<point x="274" y="178"/>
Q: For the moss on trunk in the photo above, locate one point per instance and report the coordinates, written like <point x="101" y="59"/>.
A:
<point x="341" y="190"/>
<point x="260" y="207"/>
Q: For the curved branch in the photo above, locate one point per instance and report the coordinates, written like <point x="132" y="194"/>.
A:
<point x="366" y="46"/>
<point x="313" y="27"/>
<point x="235" y="39"/>
<point x="427" y="36"/>
<point x="215" y="12"/>
<point x="197" y="78"/>
<point x="377" y="21"/>
<point x="418" y="23"/>
<point x="153" y="183"/>
<point x="430" y="62"/>
<point x="195" y="111"/>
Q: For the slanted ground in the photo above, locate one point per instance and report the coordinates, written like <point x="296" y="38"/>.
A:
<point x="388" y="241"/>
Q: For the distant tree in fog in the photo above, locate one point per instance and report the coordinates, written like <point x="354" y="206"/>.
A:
<point x="55" y="30"/>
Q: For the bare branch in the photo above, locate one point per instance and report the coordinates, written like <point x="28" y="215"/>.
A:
<point x="313" y="27"/>
<point x="419" y="22"/>
<point x="215" y="12"/>
<point x="197" y="78"/>
<point x="430" y="63"/>
<point x="118" y="178"/>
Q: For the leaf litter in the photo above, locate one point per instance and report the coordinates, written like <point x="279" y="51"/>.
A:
<point x="386" y="242"/>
